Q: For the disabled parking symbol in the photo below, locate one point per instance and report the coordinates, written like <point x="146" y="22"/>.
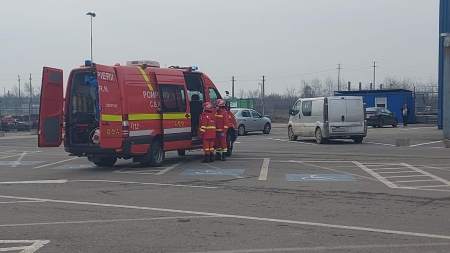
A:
<point x="320" y="177"/>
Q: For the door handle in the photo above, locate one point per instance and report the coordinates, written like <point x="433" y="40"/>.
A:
<point x="342" y="118"/>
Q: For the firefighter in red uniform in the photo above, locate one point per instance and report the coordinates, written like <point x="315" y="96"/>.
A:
<point x="221" y="130"/>
<point x="207" y="131"/>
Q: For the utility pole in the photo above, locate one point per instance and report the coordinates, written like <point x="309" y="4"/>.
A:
<point x="19" y="85"/>
<point x="262" y="93"/>
<point x="374" y="66"/>
<point x="339" y="77"/>
<point x="232" y="87"/>
<point x="446" y="90"/>
<point x="29" y="106"/>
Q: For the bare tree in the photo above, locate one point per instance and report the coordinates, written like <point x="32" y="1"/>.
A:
<point x="290" y="92"/>
<point x="14" y="91"/>
<point x="253" y="93"/>
<point x="241" y="93"/>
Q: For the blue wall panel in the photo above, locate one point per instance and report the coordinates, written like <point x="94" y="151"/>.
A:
<point x="444" y="25"/>
<point x="395" y="100"/>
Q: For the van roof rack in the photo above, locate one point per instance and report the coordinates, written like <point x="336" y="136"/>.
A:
<point x="190" y="68"/>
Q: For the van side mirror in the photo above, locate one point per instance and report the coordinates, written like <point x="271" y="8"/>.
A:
<point x="227" y="105"/>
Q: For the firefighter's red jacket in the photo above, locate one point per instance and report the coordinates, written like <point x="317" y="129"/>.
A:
<point x="222" y="121"/>
<point x="207" y="129"/>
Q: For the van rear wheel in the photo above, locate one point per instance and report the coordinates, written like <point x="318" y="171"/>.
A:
<point x="358" y="139"/>
<point x="181" y="152"/>
<point x="319" y="137"/>
<point x="157" y="154"/>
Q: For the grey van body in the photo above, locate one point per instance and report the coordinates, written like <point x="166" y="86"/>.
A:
<point x="338" y="117"/>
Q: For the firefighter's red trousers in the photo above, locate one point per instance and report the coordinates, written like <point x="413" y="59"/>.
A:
<point x="208" y="146"/>
<point x="221" y="143"/>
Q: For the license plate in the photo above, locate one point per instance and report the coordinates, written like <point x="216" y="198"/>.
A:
<point x="337" y="129"/>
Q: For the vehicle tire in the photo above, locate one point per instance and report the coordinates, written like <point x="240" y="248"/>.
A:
<point x="157" y="154"/>
<point x="381" y="124"/>
<point x="267" y="128"/>
<point x="395" y="123"/>
<point x="106" y="162"/>
<point x="181" y="152"/>
<point x="319" y="137"/>
<point x="229" y="145"/>
<point x="291" y="135"/>
<point x="241" y="130"/>
<point x="358" y="139"/>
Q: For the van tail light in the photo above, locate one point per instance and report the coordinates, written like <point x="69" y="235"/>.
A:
<point x="64" y="131"/>
<point x="125" y="127"/>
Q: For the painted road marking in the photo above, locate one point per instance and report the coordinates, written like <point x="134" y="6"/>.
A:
<point x="329" y="248"/>
<point x="262" y="219"/>
<point x="50" y="164"/>
<point x="35" y="245"/>
<point x="320" y="177"/>
<point x="74" y="166"/>
<point x="61" y="181"/>
<point x="377" y="143"/>
<point x="143" y="183"/>
<point x="168" y="169"/>
<point x="426" y="143"/>
<point x="264" y="169"/>
<point x="394" y="184"/>
<point x="105" y="221"/>
<point x="15" y="163"/>
<point x="26" y="201"/>
<point x="216" y="172"/>
<point x="301" y="142"/>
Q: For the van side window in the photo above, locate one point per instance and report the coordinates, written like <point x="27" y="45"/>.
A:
<point x="297" y="107"/>
<point x="306" y="108"/>
<point x="213" y="95"/>
<point x="173" y="98"/>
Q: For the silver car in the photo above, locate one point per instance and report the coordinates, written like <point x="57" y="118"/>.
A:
<point x="249" y="120"/>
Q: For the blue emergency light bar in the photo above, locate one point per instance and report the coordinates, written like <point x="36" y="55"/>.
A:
<point x="194" y="68"/>
<point x="87" y="63"/>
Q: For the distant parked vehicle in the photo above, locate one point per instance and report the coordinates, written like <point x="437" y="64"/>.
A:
<point x="380" y="116"/>
<point x="249" y="120"/>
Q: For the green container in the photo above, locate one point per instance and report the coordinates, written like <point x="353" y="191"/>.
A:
<point x="241" y="102"/>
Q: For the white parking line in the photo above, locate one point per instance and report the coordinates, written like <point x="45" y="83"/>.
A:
<point x="26" y="201"/>
<point x="264" y="169"/>
<point x="167" y="169"/>
<point x="426" y="173"/>
<point x="143" y="183"/>
<point x="36" y="244"/>
<point x="375" y="175"/>
<point x="50" y="164"/>
<point x="426" y="143"/>
<point x="241" y="217"/>
<point x="17" y="162"/>
<point x="377" y="143"/>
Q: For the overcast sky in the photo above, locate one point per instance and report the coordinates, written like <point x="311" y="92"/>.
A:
<point x="284" y="40"/>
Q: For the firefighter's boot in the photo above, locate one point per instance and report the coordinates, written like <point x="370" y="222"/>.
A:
<point x="211" y="158"/>
<point x="206" y="159"/>
<point x="218" y="156"/>
<point x="224" y="157"/>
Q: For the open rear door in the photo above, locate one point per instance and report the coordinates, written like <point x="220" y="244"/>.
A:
<point x="176" y="122"/>
<point x="110" y="107"/>
<point x="51" y="108"/>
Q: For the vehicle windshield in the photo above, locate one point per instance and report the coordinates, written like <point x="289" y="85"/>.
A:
<point x="234" y="111"/>
<point x="371" y="109"/>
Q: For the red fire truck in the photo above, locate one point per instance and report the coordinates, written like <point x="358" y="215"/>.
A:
<point x="137" y="111"/>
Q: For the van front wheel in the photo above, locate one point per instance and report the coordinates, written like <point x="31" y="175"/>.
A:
<point x="291" y="135"/>
<point x="106" y="162"/>
<point x="157" y="154"/>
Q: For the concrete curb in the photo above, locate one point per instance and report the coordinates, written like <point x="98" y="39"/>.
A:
<point x="18" y="137"/>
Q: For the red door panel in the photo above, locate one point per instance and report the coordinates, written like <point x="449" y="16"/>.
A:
<point x="51" y="108"/>
<point x="110" y="105"/>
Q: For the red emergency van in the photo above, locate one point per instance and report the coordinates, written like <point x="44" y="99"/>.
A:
<point x="137" y="111"/>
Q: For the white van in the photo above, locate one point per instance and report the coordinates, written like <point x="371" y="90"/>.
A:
<point x="339" y="117"/>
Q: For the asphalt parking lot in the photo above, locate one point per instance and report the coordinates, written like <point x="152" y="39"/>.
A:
<point x="272" y="195"/>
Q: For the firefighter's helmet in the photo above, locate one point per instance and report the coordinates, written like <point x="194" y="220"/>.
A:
<point x="207" y="106"/>
<point x="219" y="102"/>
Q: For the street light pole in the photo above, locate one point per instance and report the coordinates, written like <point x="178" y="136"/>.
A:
<point x="1" y="127"/>
<point x="92" y="14"/>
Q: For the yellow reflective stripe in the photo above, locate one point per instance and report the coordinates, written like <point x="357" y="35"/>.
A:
<point x="111" y="117"/>
<point x="224" y="150"/>
<point x="202" y="130"/>
<point x="144" y="116"/>
<point x="174" y="116"/>
<point x="219" y="115"/>
<point x="145" y="78"/>
<point x="218" y="130"/>
<point x="211" y="127"/>
<point x="225" y="126"/>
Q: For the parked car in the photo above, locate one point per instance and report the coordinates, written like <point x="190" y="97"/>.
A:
<point x="5" y="127"/>
<point x="380" y="116"/>
<point x="249" y="120"/>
